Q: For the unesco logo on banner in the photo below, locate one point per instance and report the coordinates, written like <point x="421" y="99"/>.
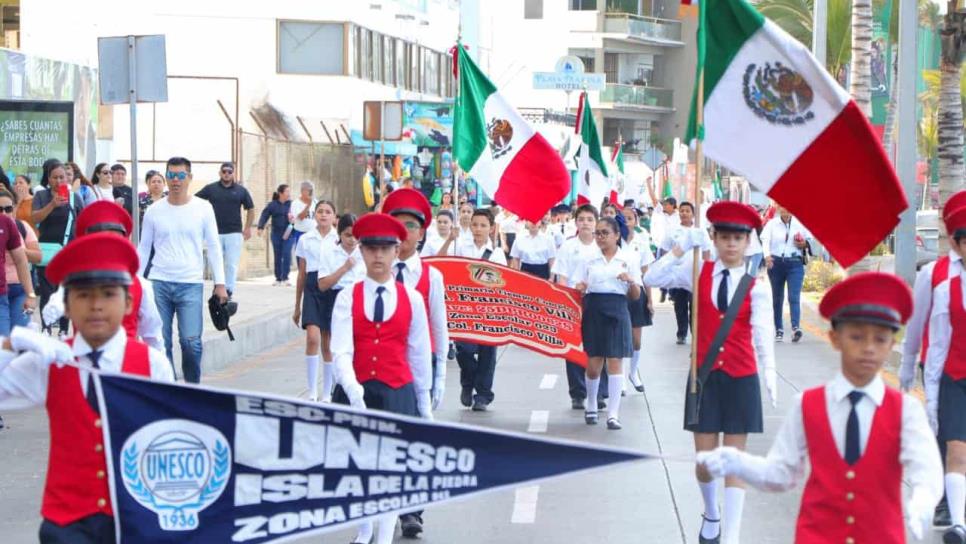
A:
<point x="176" y="468"/>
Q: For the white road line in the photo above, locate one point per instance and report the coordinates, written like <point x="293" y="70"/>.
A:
<point x="525" y="504"/>
<point x="538" y="421"/>
<point x="549" y="381"/>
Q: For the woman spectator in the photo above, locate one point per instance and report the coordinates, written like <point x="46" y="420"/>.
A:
<point x="54" y="212"/>
<point x="278" y="210"/>
<point x="25" y="198"/>
<point x="102" y="184"/>
<point x="156" y="191"/>
<point x="446" y="203"/>
<point x="302" y="211"/>
<point x="16" y="295"/>
<point x="79" y="183"/>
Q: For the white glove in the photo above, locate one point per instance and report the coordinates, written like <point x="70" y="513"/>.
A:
<point x="49" y="349"/>
<point x="721" y="462"/>
<point x="932" y="412"/>
<point x="919" y="513"/>
<point x="437" y="394"/>
<point x="54" y="309"/>
<point x="345" y="376"/>
<point x="771" y="384"/>
<point x="423" y="405"/>
<point x="907" y="375"/>
<point x="356" y="395"/>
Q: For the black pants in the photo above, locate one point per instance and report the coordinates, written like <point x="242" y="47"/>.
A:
<point x="95" y="529"/>
<point x="577" y="382"/>
<point x="477" y="366"/>
<point x="682" y="310"/>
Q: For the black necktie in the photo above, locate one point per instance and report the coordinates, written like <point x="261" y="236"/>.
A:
<point x="723" y="291"/>
<point x="380" y="309"/>
<point x="852" y="430"/>
<point x="399" y="272"/>
<point x="95" y="357"/>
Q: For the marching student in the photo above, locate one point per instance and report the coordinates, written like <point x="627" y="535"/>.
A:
<point x="861" y="437"/>
<point x="96" y="272"/>
<point x="478" y="362"/>
<point x="685" y="234"/>
<point x="144" y="322"/>
<point x="434" y="242"/>
<point x="460" y="234"/>
<point x="945" y="379"/>
<point x="313" y="306"/>
<point x="571" y="254"/>
<point x="411" y="208"/>
<point x="641" y="309"/>
<point x="380" y="339"/>
<point x="533" y="251"/>
<point x="610" y="281"/>
<point x="730" y="399"/>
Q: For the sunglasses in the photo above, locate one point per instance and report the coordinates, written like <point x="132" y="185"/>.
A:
<point x="602" y="233"/>
<point x="7" y="209"/>
<point x="180" y="176"/>
<point x="227" y="171"/>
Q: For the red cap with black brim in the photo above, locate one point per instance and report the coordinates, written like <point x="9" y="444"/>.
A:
<point x="379" y="229"/>
<point x="869" y="297"/>
<point x="101" y="258"/>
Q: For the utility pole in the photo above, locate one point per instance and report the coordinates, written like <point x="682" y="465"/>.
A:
<point x="906" y="140"/>
<point x="820" y="31"/>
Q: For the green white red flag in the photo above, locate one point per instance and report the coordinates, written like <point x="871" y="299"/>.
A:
<point x="510" y="161"/>
<point x="593" y="184"/>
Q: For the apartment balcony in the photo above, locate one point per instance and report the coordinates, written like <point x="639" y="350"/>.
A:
<point x="650" y="30"/>
<point x="637" y="97"/>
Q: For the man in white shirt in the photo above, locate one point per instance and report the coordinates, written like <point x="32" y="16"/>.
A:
<point x="783" y="241"/>
<point x="175" y="233"/>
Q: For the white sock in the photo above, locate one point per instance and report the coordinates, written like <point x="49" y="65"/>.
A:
<point x="734" y="504"/>
<point x="592" y="387"/>
<point x="385" y="529"/>
<point x="615" y="382"/>
<point x="635" y="364"/>
<point x="328" y="380"/>
<point x="709" y="492"/>
<point x="364" y="535"/>
<point x="312" y="371"/>
<point x="956" y="496"/>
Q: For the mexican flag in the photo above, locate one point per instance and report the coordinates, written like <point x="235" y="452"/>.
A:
<point x="773" y="114"/>
<point x="617" y="182"/>
<point x="593" y="184"/>
<point x="514" y="165"/>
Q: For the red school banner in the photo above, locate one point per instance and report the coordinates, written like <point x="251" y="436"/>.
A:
<point x="494" y="305"/>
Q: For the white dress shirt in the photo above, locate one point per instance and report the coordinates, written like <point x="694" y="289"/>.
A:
<point x="473" y="251"/>
<point x="600" y="275"/>
<point x="640" y="246"/>
<point x="686" y="238"/>
<point x="940" y="334"/>
<point x="784" y="467"/>
<point x="418" y="351"/>
<point x="509" y="223"/>
<point x="662" y="224"/>
<point x="778" y="238"/>
<point x="23" y="378"/>
<point x="334" y="258"/>
<point x="570" y="255"/>
<point x="433" y="244"/>
<point x="412" y="273"/>
<point x="923" y="297"/>
<point x="312" y="245"/>
<point x="532" y="249"/>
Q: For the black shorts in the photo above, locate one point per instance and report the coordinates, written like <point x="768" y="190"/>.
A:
<point x="379" y="396"/>
<point x="640" y="316"/>
<point x="952" y="409"/>
<point x="728" y="405"/>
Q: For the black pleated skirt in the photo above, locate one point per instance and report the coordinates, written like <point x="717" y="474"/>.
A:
<point x="538" y="270"/>
<point x="728" y="405"/>
<point x="606" y="326"/>
<point x="952" y="409"/>
<point x="640" y="315"/>
<point x="317" y="305"/>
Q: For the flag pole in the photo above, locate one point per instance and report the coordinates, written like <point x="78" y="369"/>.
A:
<point x="699" y="160"/>
<point x="456" y="55"/>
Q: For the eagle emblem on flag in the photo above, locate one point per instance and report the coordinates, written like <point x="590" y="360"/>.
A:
<point x="499" y="132"/>
<point x="778" y="94"/>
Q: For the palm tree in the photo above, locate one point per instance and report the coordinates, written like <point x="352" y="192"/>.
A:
<point x="795" y="17"/>
<point x="952" y="173"/>
<point x="860" y="73"/>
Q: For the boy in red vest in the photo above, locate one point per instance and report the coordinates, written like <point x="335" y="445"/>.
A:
<point x="945" y="378"/>
<point x="915" y="345"/>
<point x="730" y="400"/>
<point x="861" y="438"/>
<point x="95" y="272"/>
<point x="144" y="322"/>
<point x="412" y="209"/>
<point x="380" y="339"/>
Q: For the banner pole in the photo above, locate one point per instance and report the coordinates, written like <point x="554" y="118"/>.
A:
<point x="699" y="160"/>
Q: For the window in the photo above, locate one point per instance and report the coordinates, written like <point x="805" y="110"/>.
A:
<point x="389" y="61"/>
<point x="306" y="47"/>
<point x="583" y="5"/>
<point x="399" y="49"/>
<point x="430" y="71"/>
<point x="533" y="9"/>
<point x="376" y="57"/>
<point x="415" y="68"/>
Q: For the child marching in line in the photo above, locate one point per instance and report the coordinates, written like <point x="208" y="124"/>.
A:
<point x="945" y="378"/>
<point x="610" y="282"/>
<point x="95" y="271"/>
<point x="641" y="310"/>
<point x="314" y="306"/>
<point x="434" y="242"/>
<point x="533" y="251"/>
<point x="861" y="437"/>
<point x="730" y="397"/>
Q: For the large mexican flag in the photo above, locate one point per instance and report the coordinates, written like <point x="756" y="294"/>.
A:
<point x="511" y="162"/>
<point x="773" y="114"/>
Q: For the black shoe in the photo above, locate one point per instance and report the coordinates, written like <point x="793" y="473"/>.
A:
<point x="577" y="404"/>
<point x="797" y="335"/>
<point x="779" y="336"/>
<point x="715" y="540"/>
<point x="1" y="422"/>
<point x="614" y="424"/>
<point x="480" y="405"/>
<point x="412" y="525"/>
<point x="680" y="340"/>
<point x="452" y="352"/>
<point x="601" y="404"/>
<point x="590" y="418"/>
<point x="466" y="397"/>
<point x="941" y="517"/>
<point x="639" y="385"/>
<point x="955" y="535"/>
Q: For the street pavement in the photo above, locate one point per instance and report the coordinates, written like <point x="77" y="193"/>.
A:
<point x="653" y="501"/>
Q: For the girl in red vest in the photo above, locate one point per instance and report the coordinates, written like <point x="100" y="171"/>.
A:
<point x="861" y="438"/>
<point x="730" y="400"/>
<point x="945" y="378"/>
<point x="96" y="272"/>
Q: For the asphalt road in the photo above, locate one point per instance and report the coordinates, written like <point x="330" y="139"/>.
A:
<point x="654" y="501"/>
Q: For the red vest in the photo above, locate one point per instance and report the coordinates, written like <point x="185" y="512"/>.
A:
<point x="380" y="348"/>
<point x="77" y="469"/>
<point x="422" y="286"/>
<point x="940" y="272"/>
<point x="737" y="355"/>
<point x="130" y="321"/>
<point x="859" y="503"/>
<point x="955" y="366"/>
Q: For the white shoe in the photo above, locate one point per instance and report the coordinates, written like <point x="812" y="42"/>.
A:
<point x="313" y="399"/>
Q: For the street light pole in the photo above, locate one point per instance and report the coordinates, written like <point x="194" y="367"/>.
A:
<point x="906" y="152"/>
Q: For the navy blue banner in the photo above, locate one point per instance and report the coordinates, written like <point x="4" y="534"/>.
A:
<point x="194" y="464"/>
